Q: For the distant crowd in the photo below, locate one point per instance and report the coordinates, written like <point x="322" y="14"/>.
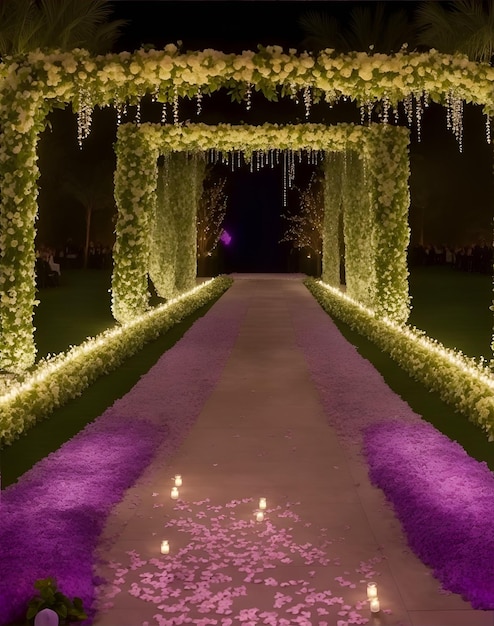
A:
<point x="475" y="258"/>
<point x="50" y="261"/>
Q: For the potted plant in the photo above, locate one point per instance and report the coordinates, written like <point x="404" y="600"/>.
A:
<point x="49" y="597"/>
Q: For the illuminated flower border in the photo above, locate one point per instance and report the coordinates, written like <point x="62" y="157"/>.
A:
<point x="56" y="381"/>
<point x="31" y="85"/>
<point x="460" y="381"/>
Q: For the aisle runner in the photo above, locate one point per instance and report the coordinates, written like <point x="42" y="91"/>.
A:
<point x="443" y="498"/>
<point x="52" y="517"/>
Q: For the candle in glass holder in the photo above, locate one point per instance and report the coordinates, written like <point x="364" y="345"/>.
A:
<point x="259" y="516"/>
<point x="165" y="547"/>
<point x="374" y="605"/>
<point x="178" y="480"/>
<point x="262" y="503"/>
<point x="174" y="493"/>
<point x="371" y="590"/>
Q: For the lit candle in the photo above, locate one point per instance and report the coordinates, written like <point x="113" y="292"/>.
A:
<point x="178" y="480"/>
<point x="371" y="590"/>
<point x="262" y="503"/>
<point x="165" y="547"/>
<point x="259" y="516"/>
<point x="374" y="605"/>
<point x="174" y="493"/>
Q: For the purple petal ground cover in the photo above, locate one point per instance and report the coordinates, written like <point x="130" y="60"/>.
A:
<point x="53" y="516"/>
<point x="444" y="500"/>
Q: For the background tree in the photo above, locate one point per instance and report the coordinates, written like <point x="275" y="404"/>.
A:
<point x="465" y="26"/>
<point x="370" y="27"/>
<point x="90" y="184"/>
<point x="26" y="25"/>
<point x="304" y="227"/>
<point x="210" y="217"/>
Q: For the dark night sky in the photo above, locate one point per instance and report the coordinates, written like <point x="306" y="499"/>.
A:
<point x="455" y="188"/>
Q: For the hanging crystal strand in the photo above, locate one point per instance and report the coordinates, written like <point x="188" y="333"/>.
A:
<point x="362" y="114"/>
<point x="386" y="105"/>
<point x="457" y="120"/>
<point x="488" y="128"/>
<point x="252" y="163"/>
<point x="137" y="118"/>
<point x="449" y="107"/>
<point x="118" y="109"/>
<point x="409" y="109"/>
<point x="163" y="113"/>
<point x="285" y="175"/>
<point x="266" y="158"/>
<point x="277" y="154"/>
<point x="419" y="110"/>
<point x="175" y="105"/>
<point x="84" y="116"/>
<point x="199" y="101"/>
<point x="396" y="114"/>
<point x="248" y="97"/>
<point x="307" y="101"/>
<point x="293" y="94"/>
<point x="271" y="159"/>
<point x="426" y="98"/>
<point x="370" y="108"/>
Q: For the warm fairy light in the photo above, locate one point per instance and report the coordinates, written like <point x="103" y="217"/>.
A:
<point x="371" y="590"/>
<point x="165" y="547"/>
<point x="178" y="480"/>
<point x="262" y="503"/>
<point x="88" y="349"/>
<point x="174" y="493"/>
<point x="259" y="516"/>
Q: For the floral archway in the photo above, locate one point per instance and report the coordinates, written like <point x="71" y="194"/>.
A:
<point x="32" y="85"/>
<point x="376" y="266"/>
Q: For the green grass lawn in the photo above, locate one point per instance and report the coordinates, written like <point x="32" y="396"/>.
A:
<point x="450" y="306"/>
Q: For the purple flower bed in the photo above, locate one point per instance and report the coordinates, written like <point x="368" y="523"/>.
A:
<point x="53" y="516"/>
<point x="444" y="500"/>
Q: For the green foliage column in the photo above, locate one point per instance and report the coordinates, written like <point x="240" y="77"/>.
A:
<point x="186" y="177"/>
<point x="135" y="196"/>
<point x="358" y="227"/>
<point x="22" y="117"/>
<point x="163" y="244"/>
<point x="333" y="172"/>
<point x="388" y="171"/>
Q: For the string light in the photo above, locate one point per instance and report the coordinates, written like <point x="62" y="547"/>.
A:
<point x="248" y="97"/>
<point x="199" y="101"/>
<point x="163" y="113"/>
<point x="138" y="114"/>
<point x="84" y="116"/>
<point x="175" y="105"/>
<point x="488" y="128"/>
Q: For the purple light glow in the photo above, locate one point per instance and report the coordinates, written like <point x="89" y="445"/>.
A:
<point x="226" y="238"/>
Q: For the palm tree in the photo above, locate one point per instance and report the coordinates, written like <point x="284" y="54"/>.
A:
<point x="462" y="26"/>
<point x="370" y="27"/>
<point x="26" y="25"/>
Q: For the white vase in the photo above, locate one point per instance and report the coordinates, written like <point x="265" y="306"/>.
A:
<point x="46" y="617"/>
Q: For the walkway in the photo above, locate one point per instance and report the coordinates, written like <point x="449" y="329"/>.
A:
<point x="263" y="433"/>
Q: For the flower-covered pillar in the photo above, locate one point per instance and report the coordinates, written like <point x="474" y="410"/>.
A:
<point x="358" y="228"/>
<point x="135" y="196"/>
<point x="163" y="246"/>
<point x="333" y="171"/>
<point x="186" y="175"/>
<point x="387" y="175"/>
<point x="22" y="117"/>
